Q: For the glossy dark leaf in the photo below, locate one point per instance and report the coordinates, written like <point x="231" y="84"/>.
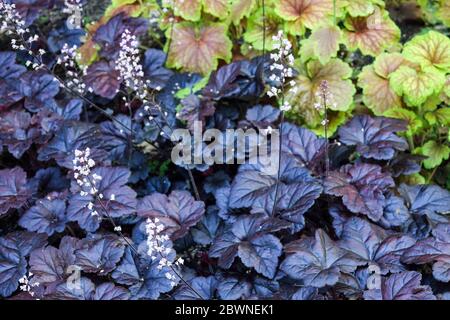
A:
<point x="373" y="246"/>
<point x="113" y="182"/>
<point x="108" y="36"/>
<point x="361" y="187"/>
<point x="205" y="286"/>
<point x="426" y="199"/>
<point x="14" y="249"/>
<point x="143" y="277"/>
<point x="103" y="78"/>
<point x="178" y="212"/>
<point x="374" y="137"/>
<point x="9" y="70"/>
<point x="435" y="249"/>
<point x="318" y="262"/>
<point x="154" y="69"/>
<point x="401" y="286"/>
<point x="73" y="136"/>
<point x="247" y="239"/>
<point x="48" y="216"/>
<point x="13" y="189"/>
<point x="39" y="90"/>
<point x="99" y="255"/>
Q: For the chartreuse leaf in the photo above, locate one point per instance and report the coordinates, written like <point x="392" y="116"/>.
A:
<point x="337" y="73"/>
<point x="416" y="85"/>
<point x="444" y="12"/>
<point x="255" y="28"/>
<point x="240" y="9"/>
<point x="362" y="8"/>
<point x="198" y="48"/>
<point x="303" y="14"/>
<point x="371" y="34"/>
<point x="188" y="9"/>
<point x="439" y="116"/>
<point x="436" y="153"/>
<point x="192" y="9"/>
<point x="429" y="50"/>
<point x="134" y="8"/>
<point x="217" y="8"/>
<point x="374" y="80"/>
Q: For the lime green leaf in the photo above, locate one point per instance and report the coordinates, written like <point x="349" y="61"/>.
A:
<point x="371" y="34"/>
<point x="337" y="73"/>
<point x="217" y="8"/>
<point x="435" y="152"/>
<point x="302" y="14"/>
<point x="414" y="179"/>
<point x="440" y="116"/>
<point x="335" y="120"/>
<point x="240" y="9"/>
<point x="429" y="50"/>
<point x="198" y="48"/>
<point x="255" y="31"/>
<point x="444" y="12"/>
<point x="188" y="9"/>
<point x="374" y="80"/>
<point x="416" y="85"/>
<point x="362" y="8"/>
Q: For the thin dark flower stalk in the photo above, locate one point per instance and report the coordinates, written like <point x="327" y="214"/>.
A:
<point x="283" y="61"/>
<point x="325" y="97"/>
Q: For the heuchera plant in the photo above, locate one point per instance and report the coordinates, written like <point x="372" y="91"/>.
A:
<point x="93" y="208"/>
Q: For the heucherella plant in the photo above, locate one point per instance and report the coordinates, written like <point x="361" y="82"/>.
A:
<point x="348" y="99"/>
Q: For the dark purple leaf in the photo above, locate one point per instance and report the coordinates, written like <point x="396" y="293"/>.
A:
<point x="17" y="132"/>
<point x="30" y="10"/>
<point x="62" y="35"/>
<point x="303" y="144"/>
<point x="108" y="36"/>
<point x="39" y="89"/>
<point x="51" y="266"/>
<point x="14" y="249"/>
<point x="222" y="82"/>
<point x="195" y="109"/>
<point x="142" y="275"/>
<point x="99" y="255"/>
<point x="205" y="286"/>
<point x="207" y="229"/>
<point x="401" y="286"/>
<point x="233" y="289"/>
<point x="374" y="137"/>
<point x="426" y="199"/>
<point x="48" y="216"/>
<point x="247" y="239"/>
<point x="178" y="212"/>
<point x="73" y="136"/>
<point x="9" y="70"/>
<point x="373" y="246"/>
<point x="361" y="187"/>
<point x="395" y="213"/>
<point x="103" y="78"/>
<point x="154" y="69"/>
<point x="261" y="116"/>
<point x="113" y="182"/>
<point x="318" y="262"/>
<point x="435" y="249"/>
<point x="13" y="189"/>
<point x="108" y="291"/>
